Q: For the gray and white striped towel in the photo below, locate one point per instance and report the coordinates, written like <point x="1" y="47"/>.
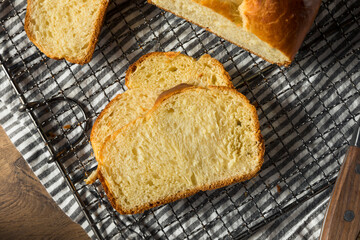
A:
<point x="306" y="114"/>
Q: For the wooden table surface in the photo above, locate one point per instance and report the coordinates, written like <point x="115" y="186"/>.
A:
<point x="27" y="211"/>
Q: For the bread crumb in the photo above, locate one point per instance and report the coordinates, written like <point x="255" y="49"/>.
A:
<point x="51" y="134"/>
<point x="92" y="177"/>
<point x="68" y="126"/>
<point x="278" y="188"/>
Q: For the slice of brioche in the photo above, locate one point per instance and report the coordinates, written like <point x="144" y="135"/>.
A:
<point x="121" y="110"/>
<point x="150" y="75"/>
<point x="271" y="29"/>
<point x="159" y="71"/>
<point x="193" y="139"/>
<point x="66" y="29"/>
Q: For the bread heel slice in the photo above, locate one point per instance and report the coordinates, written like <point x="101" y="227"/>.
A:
<point x="66" y="29"/>
<point x="193" y="139"/>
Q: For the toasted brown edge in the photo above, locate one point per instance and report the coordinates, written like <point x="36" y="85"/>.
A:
<point x="132" y="68"/>
<point x="183" y="194"/>
<point x="285" y="64"/>
<point x="297" y="15"/>
<point x="93" y="40"/>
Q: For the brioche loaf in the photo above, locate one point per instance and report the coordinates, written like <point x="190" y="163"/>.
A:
<point x="66" y="29"/>
<point x="271" y="29"/>
<point x="147" y="78"/>
<point x="193" y="139"/>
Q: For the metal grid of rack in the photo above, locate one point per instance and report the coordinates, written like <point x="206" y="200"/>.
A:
<point x="306" y="113"/>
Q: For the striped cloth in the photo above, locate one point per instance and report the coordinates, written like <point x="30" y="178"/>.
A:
<point x="306" y="113"/>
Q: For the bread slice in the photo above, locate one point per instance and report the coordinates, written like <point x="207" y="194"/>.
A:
<point x="271" y="29"/>
<point x="66" y="29"/>
<point x="121" y="110"/>
<point x="147" y="78"/>
<point x="193" y="139"/>
<point x="159" y="71"/>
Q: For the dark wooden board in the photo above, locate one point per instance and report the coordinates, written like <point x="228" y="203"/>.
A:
<point x="343" y="214"/>
<point x="26" y="209"/>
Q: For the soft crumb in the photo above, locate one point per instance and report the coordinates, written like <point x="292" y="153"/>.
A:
<point x="68" y="126"/>
<point x="278" y="188"/>
<point x="245" y="194"/>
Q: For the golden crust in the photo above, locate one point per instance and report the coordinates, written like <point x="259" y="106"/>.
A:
<point x="172" y="55"/>
<point x="283" y="24"/>
<point x="183" y="194"/>
<point x="93" y="40"/>
<point x="290" y="29"/>
<point x="287" y="63"/>
<point x="225" y="8"/>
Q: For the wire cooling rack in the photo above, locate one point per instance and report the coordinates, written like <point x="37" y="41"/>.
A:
<point x="306" y="114"/>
